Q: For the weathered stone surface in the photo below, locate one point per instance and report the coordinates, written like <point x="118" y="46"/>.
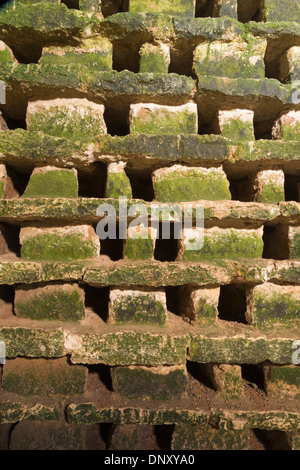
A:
<point x="235" y="59"/>
<point x="218" y="243"/>
<point x="272" y="305"/>
<point x="3" y="180"/>
<point x="154" y="58"/>
<point x="133" y="437"/>
<point x="117" y="183"/>
<point x="47" y="436"/>
<point x="228" y="379"/>
<point x="32" y="342"/>
<point x="70" y="118"/>
<point x="281" y="10"/>
<point x="206" y="437"/>
<point x="59" y="243"/>
<point x="294" y="242"/>
<point x="137" y="306"/>
<point x="180" y="183"/>
<point x="43" y="377"/>
<point x="269" y="186"/>
<point x="140" y="243"/>
<point x="289" y="65"/>
<point x="13" y="411"/>
<point x="287" y="127"/>
<point x="226" y="8"/>
<point x="199" y="305"/>
<point x="64" y="302"/>
<point x="157" y="119"/>
<point x="50" y="181"/>
<point x="96" y="54"/>
<point x="237" y="124"/>
<point x="282" y="382"/>
<point x="169" y="7"/>
<point x="6" y="54"/>
<point x="154" y="383"/>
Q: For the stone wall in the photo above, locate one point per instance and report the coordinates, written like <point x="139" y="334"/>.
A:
<point x="140" y="342"/>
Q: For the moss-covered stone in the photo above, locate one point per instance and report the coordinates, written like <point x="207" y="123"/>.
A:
<point x="287" y="127"/>
<point x="156" y="119"/>
<point x="59" y="243"/>
<point x="180" y="183"/>
<point x="69" y="118"/>
<point x="43" y="377"/>
<point x="140" y="243"/>
<point x="133" y="437"/>
<point x="6" y="55"/>
<point x="64" y="302"/>
<point x="91" y="6"/>
<point x="289" y="65"/>
<point x="169" y="7"/>
<point x="96" y="54"/>
<point x="269" y="186"/>
<point x="229" y="380"/>
<point x="235" y="59"/>
<point x="117" y="183"/>
<point x="272" y="305"/>
<point x="137" y="306"/>
<point x="227" y="8"/>
<point x="32" y="342"/>
<point x="218" y="243"/>
<point x="47" y="436"/>
<point x="154" y="383"/>
<point x="12" y="411"/>
<point x="283" y="382"/>
<point x="237" y="125"/>
<point x="206" y="437"/>
<point x="199" y="305"/>
<point x="52" y="182"/>
<point x="281" y="10"/>
<point x="154" y="58"/>
<point x="294" y="242"/>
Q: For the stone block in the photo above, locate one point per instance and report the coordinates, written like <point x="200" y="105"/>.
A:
<point x="74" y="118"/>
<point x="59" y="243"/>
<point x="37" y="435"/>
<point x="140" y="243"/>
<point x="294" y="242"/>
<point x="149" y="118"/>
<point x="290" y="65"/>
<point x="49" y="181"/>
<point x="138" y="306"/>
<point x="96" y="54"/>
<point x="228" y="379"/>
<point x="269" y="186"/>
<point x="63" y="302"/>
<point x="43" y="377"/>
<point x="206" y="437"/>
<point x="237" y="124"/>
<point x="281" y="10"/>
<point x="180" y="183"/>
<point x="155" y="58"/>
<point x="199" y="305"/>
<point x="226" y="8"/>
<point x="133" y="437"/>
<point x="220" y="243"/>
<point x="274" y="306"/>
<point x="184" y="8"/>
<point x="235" y="59"/>
<point x="154" y="383"/>
<point x="117" y="183"/>
<point x="282" y="382"/>
<point x="6" y="54"/>
<point x="3" y="180"/>
<point x="90" y="6"/>
<point x="287" y="127"/>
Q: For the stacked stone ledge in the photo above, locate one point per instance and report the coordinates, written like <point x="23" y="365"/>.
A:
<point x="157" y="330"/>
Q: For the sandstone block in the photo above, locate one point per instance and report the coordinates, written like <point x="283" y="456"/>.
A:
<point x="281" y="10"/>
<point x="154" y="58"/>
<point x="184" y="8"/>
<point x="237" y="124"/>
<point x="140" y="243"/>
<point x="149" y="118"/>
<point x="282" y="381"/>
<point x="117" y="183"/>
<point x="199" y="305"/>
<point x="269" y="186"/>
<point x="180" y="183"/>
<point x="49" y="181"/>
<point x="154" y="383"/>
<point x="59" y="243"/>
<point x="133" y="437"/>
<point x="290" y="65"/>
<point x="64" y="302"/>
<point x="137" y="306"/>
<point x="287" y="127"/>
<point x="294" y="242"/>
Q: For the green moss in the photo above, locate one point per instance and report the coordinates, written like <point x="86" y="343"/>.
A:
<point x="291" y="132"/>
<point x="5" y="56"/>
<point x="229" y="245"/>
<point x="153" y="61"/>
<point x="279" y="308"/>
<point x="191" y="186"/>
<point x="282" y="10"/>
<point x="205" y="312"/>
<point x="174" y="7"/>
<point x="288" y="375"/>
<point x="56" y="247"/>
<point x="295" y="246"/>
<point x="118" y="184"/>
<point x="61" y="306"/>
<point x="271" y="193"/>
<point x="32" y="342"/>
<point x="54" y="183"/>
<point x="139" y="248"/>
<point x="237" y="130"/>
<point x="139" y="309"/>
<point x="2" y="189"/>
<point x="164" y="121"/>
<point x="143" y="383"/>
<point x="206" y="437"/>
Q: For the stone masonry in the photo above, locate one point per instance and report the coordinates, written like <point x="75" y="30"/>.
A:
<point x="135" y="340"/>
